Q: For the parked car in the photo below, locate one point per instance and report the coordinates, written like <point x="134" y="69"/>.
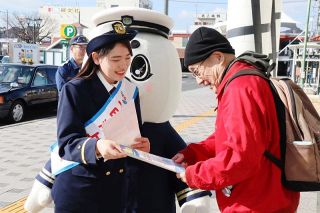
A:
<point x="5" y="59"/>
<point x="24" y="86"/>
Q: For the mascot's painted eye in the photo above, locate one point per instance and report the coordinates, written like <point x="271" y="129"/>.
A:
<point x="140" y="68"/>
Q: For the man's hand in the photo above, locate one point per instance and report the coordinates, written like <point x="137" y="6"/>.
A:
<point x="178" y="158"/>
<point x="182" y="176"/>
<point x="141" y="144"/>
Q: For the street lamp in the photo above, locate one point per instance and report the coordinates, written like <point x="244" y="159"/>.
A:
<point x="7" y="13"/>
<point x="7" y="31"/>
<point x="2" y="31"/>
<point x="36" y="25"/>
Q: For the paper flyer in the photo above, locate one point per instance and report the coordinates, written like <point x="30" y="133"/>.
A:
<point x="159" y="161"/>
<point x="123" y="128"/>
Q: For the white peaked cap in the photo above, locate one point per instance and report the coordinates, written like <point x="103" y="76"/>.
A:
<point x="142" y="18"/>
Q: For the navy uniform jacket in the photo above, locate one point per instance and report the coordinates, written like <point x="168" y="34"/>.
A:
<point x="94" y="185"/>
<point x="66" y="72"/>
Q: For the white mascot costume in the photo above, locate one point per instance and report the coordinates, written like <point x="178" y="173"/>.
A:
<point x="156" y="70"/>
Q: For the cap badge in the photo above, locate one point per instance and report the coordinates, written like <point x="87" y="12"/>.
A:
<point x="127" y="20"/>
<point x="119" y="28"/>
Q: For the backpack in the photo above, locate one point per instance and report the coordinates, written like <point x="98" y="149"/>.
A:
<point x="299" y="125"/>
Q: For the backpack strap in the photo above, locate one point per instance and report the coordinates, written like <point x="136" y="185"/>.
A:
<point x="293" y="102"/>
<point x="274" y="159"/>
<point x="245" y="72"/>
<point x="279" y="109"/>
<point x="258" y="60"/>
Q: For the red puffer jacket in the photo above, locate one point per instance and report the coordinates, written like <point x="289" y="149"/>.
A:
<point x="246" y="126"/>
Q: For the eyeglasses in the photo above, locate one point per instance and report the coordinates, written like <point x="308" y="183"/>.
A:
<point x="82" y="47"/>
<point x="196" y="72"/>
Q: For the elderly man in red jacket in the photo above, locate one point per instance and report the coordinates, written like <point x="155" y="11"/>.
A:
<point x="231" y="160"/>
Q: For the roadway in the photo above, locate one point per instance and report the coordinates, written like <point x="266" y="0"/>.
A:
<point x="49" y="110"/>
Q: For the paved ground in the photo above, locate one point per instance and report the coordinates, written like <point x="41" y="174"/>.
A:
<point x="24" y="148"/>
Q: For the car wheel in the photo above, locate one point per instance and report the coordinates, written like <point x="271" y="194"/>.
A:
<point x="16" y="112"/>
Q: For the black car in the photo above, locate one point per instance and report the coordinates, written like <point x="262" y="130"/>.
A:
<point x="22" y="86"/>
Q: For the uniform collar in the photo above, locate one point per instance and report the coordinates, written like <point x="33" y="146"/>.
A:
<point x="105" y="83"/>
<point x="74" y="64"/>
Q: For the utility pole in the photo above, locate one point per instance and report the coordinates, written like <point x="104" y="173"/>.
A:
<point x="34" y="32"/>
<point x="79" y="16"/>
<point x="303" y="72"/>
<point x="8" y="31"/>
<point x="318" y="20"/>
<point x="166" y="7"/>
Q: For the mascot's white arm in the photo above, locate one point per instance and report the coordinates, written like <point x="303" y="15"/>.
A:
<point x="199" y="205"/>
<point x="39" y="197"/>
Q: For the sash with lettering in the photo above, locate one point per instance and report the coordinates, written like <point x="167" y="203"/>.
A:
<point x="121" y="99"/>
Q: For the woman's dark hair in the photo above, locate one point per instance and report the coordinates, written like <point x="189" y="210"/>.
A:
<point x="89" y="68"/>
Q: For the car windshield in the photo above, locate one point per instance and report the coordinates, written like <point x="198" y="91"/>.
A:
<point x="15" y="74"/>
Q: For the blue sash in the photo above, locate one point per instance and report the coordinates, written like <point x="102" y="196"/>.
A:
<point x="125" y="91"/>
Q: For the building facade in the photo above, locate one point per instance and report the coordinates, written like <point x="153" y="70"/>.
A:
<point x="124" y="3"/>
<point x="80" y="17"/>
<point x="309" y="78"/>
<point x="216" y="20"/>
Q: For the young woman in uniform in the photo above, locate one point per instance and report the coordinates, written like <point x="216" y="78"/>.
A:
<point x="105" y="179"/>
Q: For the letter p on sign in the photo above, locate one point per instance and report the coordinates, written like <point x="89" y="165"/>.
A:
<point x="68" y="31"/>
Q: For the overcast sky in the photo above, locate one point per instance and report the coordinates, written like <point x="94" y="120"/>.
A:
<point x="182" y="11"/>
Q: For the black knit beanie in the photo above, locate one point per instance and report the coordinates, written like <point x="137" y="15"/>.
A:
<point x="202" y="43"/>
